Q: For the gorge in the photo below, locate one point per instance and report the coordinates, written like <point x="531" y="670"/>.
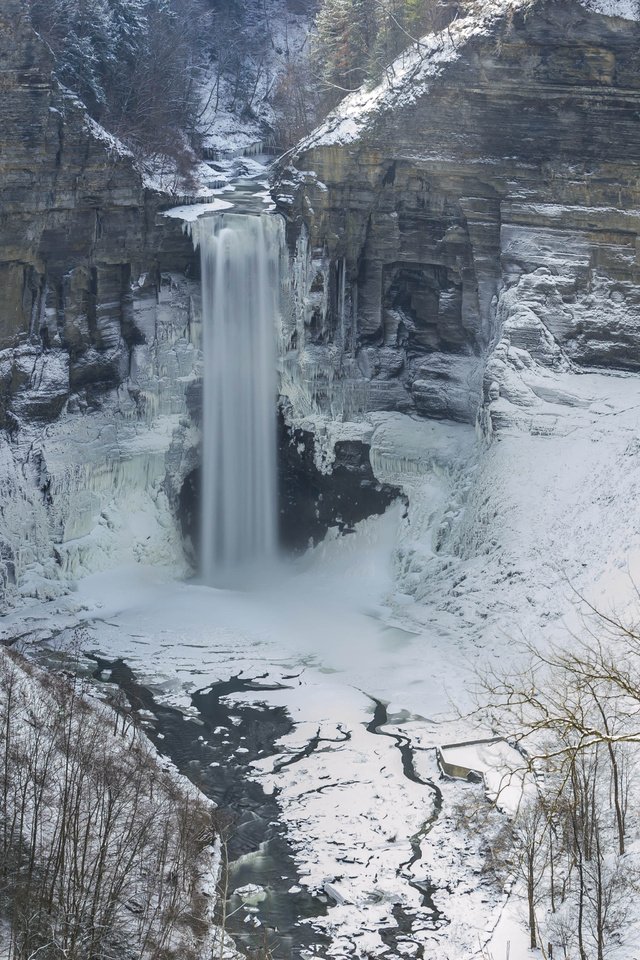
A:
<point x="427" y="325"/>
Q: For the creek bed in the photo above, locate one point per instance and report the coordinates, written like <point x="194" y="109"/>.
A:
<point x="204" y="747"/>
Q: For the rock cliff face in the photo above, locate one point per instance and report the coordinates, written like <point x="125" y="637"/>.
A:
<point x="97" y="330"/>
<point x="465" y="239"/>
<point x="473" y="223"/>
<point x="80" y="251"/>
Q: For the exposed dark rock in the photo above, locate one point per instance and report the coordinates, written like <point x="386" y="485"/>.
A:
<point x="81" y="244"/>
<point x="189" y="511"/>
<point x="311" y="502"/>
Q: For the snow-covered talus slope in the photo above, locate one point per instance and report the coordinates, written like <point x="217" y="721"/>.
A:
<point x="548" y="508"/>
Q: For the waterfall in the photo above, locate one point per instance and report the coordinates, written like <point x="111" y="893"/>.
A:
<point x="242" y="258"/>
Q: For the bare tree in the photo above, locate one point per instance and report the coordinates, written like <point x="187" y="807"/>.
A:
<point x="99" y="843"/>
<point x="575" y="710"/>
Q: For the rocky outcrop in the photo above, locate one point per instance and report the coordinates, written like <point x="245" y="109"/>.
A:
<point x="98" y="335"/>
<point x="313" y="500"/>
<point x="81" y="255"/>
<point x="475" y="216"/>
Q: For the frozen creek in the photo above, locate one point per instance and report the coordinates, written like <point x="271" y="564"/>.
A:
<point x="353" y="778"/>
<point x="404" y="612"/>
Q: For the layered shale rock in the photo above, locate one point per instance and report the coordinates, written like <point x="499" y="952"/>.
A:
<point x="473" y="219"/>
<point x="81" y="254"/>
<point x="98" y="335"/>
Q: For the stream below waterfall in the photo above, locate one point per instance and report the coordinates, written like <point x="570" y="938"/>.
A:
<point x="299" y="710"/>
<point x="259" y="851"/>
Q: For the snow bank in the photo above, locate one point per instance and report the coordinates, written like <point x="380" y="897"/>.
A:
<point x="625" y="9"/>
<point x="190" y="212"/>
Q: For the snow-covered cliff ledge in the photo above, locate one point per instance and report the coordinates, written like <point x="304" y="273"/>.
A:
<point x="416" y="71"/>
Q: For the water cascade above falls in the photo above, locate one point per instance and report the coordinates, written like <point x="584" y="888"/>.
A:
<point x="242" y="259"/>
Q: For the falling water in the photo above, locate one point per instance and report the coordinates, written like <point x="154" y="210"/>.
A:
<point x="242" y="262"/>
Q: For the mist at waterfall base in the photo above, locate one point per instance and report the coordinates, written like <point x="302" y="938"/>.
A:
<point x="331" y="599"/>
<point x="242" y="258"/>
<point x="243" y="263"/>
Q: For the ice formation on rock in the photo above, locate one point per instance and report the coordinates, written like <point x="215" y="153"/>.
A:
<point x="97" y="487"/>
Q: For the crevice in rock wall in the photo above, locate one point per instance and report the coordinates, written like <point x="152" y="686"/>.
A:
<point x="189" y="510"/>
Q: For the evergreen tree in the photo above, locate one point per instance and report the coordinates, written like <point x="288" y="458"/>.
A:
<point x="131" y="61"/>
<point x="357" y="40"/>
<point x="339" y="47"/>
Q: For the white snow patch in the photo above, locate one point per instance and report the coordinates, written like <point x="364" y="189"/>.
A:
<point x="190" y="212"/>
<point x="626" y="9"/>
<point x="115" y="146"/>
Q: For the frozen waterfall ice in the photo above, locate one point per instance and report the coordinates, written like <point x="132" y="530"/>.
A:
<point x="242" y="258"/>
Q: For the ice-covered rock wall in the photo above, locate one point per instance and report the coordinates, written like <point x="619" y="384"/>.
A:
<point x="98" y="485"/>
<point x="99" y="338"/>
<point x="466" y="239"/>
<point x="474" y="217"/>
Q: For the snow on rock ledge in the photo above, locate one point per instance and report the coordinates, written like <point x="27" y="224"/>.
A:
<point x="412" y="74"/>
<point x="626" y="9"/>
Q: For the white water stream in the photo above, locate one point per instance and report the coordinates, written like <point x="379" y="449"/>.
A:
<point x="242" y="259"/>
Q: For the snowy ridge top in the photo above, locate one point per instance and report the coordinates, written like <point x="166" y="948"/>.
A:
<point x="411" y="75"/>
<point x="114" y="146"/>
<point x="625" y="9"/>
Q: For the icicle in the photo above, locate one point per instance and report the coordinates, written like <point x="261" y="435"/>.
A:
<point x="343" y="296"/>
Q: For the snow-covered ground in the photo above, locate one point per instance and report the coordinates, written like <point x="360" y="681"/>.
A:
<point x="320" y="633"/>
<point x="493" y="546"/>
